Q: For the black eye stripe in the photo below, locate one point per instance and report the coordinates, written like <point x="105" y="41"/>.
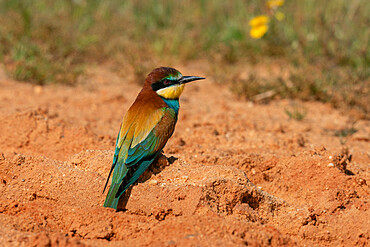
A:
<point x="162" y="84"/>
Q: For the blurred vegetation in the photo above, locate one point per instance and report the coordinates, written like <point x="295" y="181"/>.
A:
<point x="296" y="111"/>
<point x="324" y="44"/>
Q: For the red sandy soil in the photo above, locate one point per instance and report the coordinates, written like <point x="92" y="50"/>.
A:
<point x="235" y="173"/>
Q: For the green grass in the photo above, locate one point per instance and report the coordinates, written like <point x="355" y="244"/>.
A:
<point x="296" y="111"/>
<point x="324" y="44"/>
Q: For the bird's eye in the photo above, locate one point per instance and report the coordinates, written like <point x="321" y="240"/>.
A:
<point x="166" y="82"/>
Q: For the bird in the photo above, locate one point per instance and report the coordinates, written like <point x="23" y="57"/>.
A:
<point x="145" y="129"/>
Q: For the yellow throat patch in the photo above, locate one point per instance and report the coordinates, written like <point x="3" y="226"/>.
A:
<point x="172" y="92"/>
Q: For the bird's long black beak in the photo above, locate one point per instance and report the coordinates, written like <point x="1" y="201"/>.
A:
<point x="186" y="79"/>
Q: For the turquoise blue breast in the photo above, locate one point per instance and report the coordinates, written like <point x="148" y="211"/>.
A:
<point x="173" y="103"/>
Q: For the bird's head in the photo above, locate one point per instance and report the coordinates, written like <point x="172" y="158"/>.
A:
<point x="168" y="82"/>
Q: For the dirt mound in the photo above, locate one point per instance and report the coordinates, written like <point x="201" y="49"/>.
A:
<point x="53" y="196"/>
<point x="233" y="174"/>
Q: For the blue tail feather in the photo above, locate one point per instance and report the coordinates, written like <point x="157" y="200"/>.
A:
<point x="111" y="200"/>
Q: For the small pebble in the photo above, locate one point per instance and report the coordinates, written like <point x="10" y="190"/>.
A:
<point x="37" y="89"/>
<point x="331" y="165"/>
<point x="153" y="182"/>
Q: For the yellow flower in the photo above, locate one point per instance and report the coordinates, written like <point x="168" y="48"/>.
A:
<point x="258" y="32"/>
<point x="259" y="20"/>
<point x="272" y="4"/>
<point x="279" y="16"/>
<point x="258" y="26"/>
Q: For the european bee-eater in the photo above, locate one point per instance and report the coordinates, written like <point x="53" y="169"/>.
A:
<point x="145" y="129"/>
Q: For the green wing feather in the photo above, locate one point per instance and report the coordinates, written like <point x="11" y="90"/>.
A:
<point x="131" y="161"/>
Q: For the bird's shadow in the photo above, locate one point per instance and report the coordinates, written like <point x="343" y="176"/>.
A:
<point x="158" y="165"/>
